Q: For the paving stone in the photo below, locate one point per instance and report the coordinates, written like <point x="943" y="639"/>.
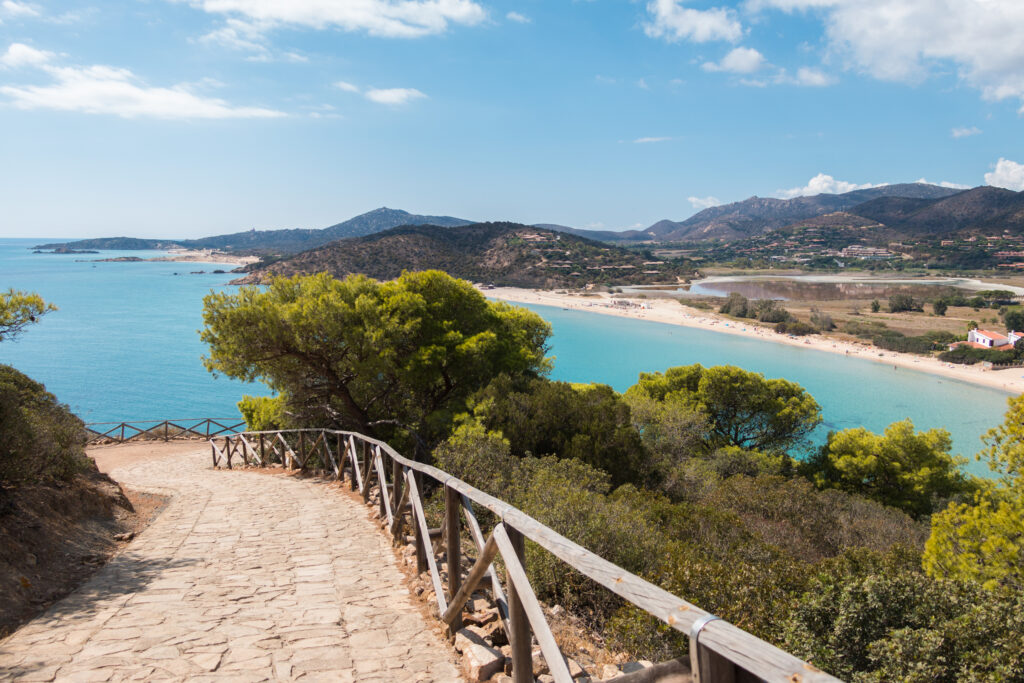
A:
<point x="243" y="577"/>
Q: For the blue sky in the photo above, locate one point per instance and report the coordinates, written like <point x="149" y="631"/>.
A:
<point x="180" y="118"/>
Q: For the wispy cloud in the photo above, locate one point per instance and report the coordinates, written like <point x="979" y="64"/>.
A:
<point x="944" y="183"/>
<point x="14" y="10"/>
<point x="347" y="87"/>
<point x="808" y="77"/>
<point x="21" y="55"/>
<point x="702" y="203"/>
<point x="647" y="141"/>
<point x="741" y="60"/>
<point x="518" y="18"/>
<point x="394" y="96"/>
<point x="908" y="40"/>
<point x="382" y="18"/>
<point x="965" y="132"/>
<point x="671" y="21"/>
<point x="100" y="89"/>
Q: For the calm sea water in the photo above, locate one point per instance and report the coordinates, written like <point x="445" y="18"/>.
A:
<point x="125" y="346"/>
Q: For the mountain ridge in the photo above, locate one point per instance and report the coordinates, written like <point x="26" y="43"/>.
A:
<point x="499" y="253"/>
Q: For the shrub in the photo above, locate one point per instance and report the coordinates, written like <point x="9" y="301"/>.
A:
<point x="822" y="321"/>
<point x="589" y="422"/>
<point x="736" y="305"/>
<point x="904" y="302"/>
<point x="263" y="413"/>
<point x="795" y="327"/>
<point x="42" y="441"/>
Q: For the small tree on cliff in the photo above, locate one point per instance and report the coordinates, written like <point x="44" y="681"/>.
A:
<point x="394" y="359"/>
<point x="18" y="310"/>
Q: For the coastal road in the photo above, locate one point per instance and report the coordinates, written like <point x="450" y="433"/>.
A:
<point x="244" y="576"/>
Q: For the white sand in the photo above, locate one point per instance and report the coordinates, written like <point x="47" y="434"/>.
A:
<point x="670" y="311"/>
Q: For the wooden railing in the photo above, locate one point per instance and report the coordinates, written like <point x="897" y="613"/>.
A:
<point x="161" y="430"/>
<point x="719" y="651"/>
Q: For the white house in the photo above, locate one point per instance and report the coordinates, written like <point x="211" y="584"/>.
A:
<point x="993" y="340"/>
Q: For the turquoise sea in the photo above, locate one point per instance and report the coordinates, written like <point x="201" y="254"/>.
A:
<point x="125" y="346"/>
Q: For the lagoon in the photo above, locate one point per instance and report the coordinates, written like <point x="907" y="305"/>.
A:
<point x="125" y="346"/>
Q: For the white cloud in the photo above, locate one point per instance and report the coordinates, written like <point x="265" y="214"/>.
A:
<point x="347" y="87"/>
<point x="1008" y="174"/>
<point x="673" y="22"/>
<point x="741" y="60"/>
<point x="518" y="18"/>
<point x="19" y="54"/>
<point x="702" y="203"/>
<point x="383" y="18"/>
<point x="824" y="184"/>
<point x="906" y="40"/>
<point x="642" y="84"/>
<point x="646" y="141"/>
<point x="965" y="132"/>
<point x="102" y="89"/>
<point x="944" y="183"/>
<point x="10" y="8"/>
<point x="394" y="96"/>
<point x="812" y="78"/>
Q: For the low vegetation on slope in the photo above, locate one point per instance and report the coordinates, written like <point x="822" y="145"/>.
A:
<point x="58" y="515"/>
<point x="498" y="253"/>
<point x="688" y="480"/>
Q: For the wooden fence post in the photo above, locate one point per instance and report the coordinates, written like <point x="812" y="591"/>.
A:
<point x="302" y="447"/>
<point x="519" y="638"/>
<point x="452" y="506"/>
<point x="396" y="491"/>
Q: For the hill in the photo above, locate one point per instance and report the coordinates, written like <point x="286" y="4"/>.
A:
<point x="758" y="215"/>
<point x="982" y="209"/>
<point x="288" y="241"/>
<point x="499" y="253"/>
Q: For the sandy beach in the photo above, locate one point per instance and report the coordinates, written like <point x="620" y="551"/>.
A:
<point x="670" y="311"/>
<point x="206" y="256"/>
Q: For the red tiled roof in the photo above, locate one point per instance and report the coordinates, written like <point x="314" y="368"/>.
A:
<point x="991" y="335"/>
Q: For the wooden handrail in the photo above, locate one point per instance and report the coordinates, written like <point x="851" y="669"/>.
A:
<point x="719" y="650"/>
<point x="199" y="428"/>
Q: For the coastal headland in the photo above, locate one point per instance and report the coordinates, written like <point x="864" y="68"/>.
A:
<point x="673" y="312"/>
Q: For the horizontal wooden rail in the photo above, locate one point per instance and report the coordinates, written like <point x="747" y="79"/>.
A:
<point x="161" y="430"/>
<point x="719" y="651"/>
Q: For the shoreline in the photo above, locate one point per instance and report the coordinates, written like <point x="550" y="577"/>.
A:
<point x="206" y="256"/>
<point x="672" y="312"/>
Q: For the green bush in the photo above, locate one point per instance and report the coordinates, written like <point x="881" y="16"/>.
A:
<point x="588" y="422"/>
<point x="797" y="328"/>
<point x="41" y="441"/>
<point x="878" y="618"/>
<point x="263" y="413"/>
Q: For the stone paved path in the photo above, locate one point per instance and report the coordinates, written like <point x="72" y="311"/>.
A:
<point x="244" y="577"/>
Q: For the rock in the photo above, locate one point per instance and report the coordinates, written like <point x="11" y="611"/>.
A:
<point x="545" y="678"/>
<point x="557" y="611"/>
<point x="610" y="671"/>
<point x="575" y="670"/>
<point x="30" y="560"/>
<point x="465" y="637"/>
<point x="483" y="617"/>
<point x="633" y="667"/>
<point x="540" y="666"/>
<point x="503" y="678"/>
<point x="127" y="536"/>
<point x="480" y="663"/>
<point x="479" y="604"/>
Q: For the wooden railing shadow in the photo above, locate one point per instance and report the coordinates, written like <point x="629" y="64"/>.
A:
<point x="719" y="651"/>
<point x="161" y="430"/>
